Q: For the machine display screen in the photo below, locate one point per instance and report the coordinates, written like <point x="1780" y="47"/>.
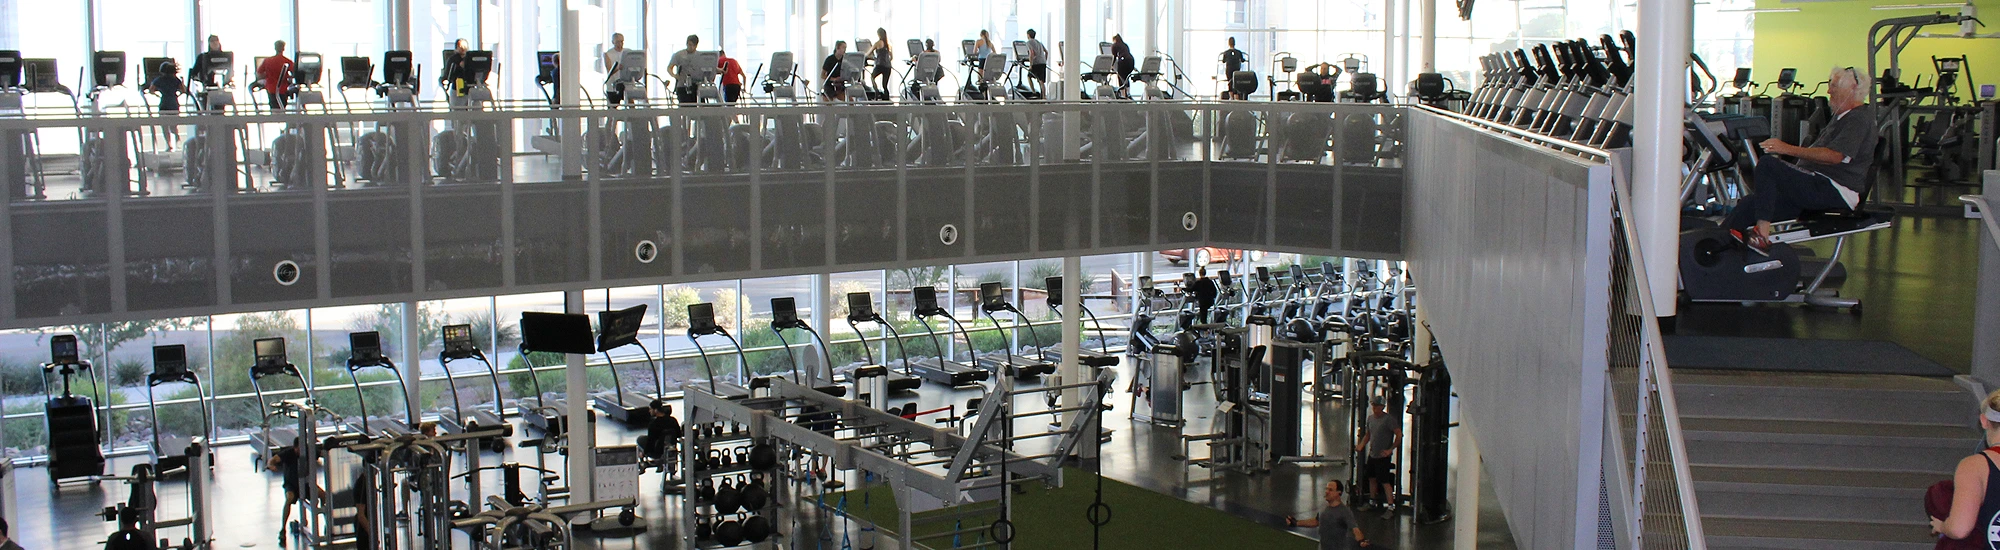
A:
<point x="364" y="347"/>
<point x="618" y="328"/>
<point x="784" y="311"/>
<point x="860" y="305"/>
<point x="991" y="295"/>
<point x="458" y="341"/>
<point x="558" y="332"/>
<point x="926" y="298"/>
<point x="701" y="318"/>
<point x="169" y="361"/>
<point x="62" y="349"/>
<point x="269" y="350"/>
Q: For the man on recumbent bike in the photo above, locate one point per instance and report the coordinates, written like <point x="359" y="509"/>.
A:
<point x="1830" y="174"/>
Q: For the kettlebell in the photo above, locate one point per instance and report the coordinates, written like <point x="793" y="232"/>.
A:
<point x="756" y="529"/>
<point x="702" y="529"/>
<point x="743" y="455"/>
<point x="729" y="533"/>
<point x="728" y="498"/>
<point x="763" y="456"/>
<point x="756" y="496"/>
<point x="724" y="458"/>
<point x="714" y="458"/>
<point x="704" y="490"/>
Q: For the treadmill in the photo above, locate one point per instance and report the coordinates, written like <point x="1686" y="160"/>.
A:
<point x="616" y="329"/>
<point x="701" y="322"/>
<point x="458" y="345"/>
<point x="941" y="370"/>
<point x="550" y="333"/>
<point x="861" y="309"/>
<point x="784" y="315"/>
<point x="1094" y="358"/>
<point x="365" y="352"/>
<point x="993" y="299"/>
<point x="169" y="367"/>
<point x="271" y="360"/>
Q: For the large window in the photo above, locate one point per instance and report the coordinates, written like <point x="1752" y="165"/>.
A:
<point x="337" y="28"/>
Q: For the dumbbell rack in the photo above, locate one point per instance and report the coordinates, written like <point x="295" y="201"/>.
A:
<point x="702" y="468"/>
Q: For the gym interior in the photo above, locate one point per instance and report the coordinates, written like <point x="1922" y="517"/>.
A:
<point x="549" y="274"/>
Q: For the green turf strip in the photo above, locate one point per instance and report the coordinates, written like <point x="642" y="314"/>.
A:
<point x="1053" y="519"/>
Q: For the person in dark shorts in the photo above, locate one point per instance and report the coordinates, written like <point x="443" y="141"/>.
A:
<point x="681" y="65"/>
<point x="732" y="76"/>
<point x="1830" y="174"/>
<point x="1379" y="439"/>
<point x="1338" y="529"/>
<point x="1233" y="61"/>
<point x="1038" y="63"/>
<point x="276" y="75"/>
<point x="286" y="463"/>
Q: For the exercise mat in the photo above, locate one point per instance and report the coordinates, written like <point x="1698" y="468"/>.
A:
<point x="1799" y="355"/>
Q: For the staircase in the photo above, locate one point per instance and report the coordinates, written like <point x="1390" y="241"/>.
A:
<point x="1820" y="461"/>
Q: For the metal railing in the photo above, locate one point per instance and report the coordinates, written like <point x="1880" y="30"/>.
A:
<point x="1987" y="216"/>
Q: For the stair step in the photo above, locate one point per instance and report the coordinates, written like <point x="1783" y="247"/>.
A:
<point x="1953" y="407"/>
<point x="1819" y="502"/>
<point x="1790" y="534"/>
<point x="1886" y="479"/>
<point x="1832" y="445"/>
<point x="1685" y="377"/>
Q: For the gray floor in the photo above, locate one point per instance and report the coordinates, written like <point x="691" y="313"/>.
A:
<point x="247" y="505"/>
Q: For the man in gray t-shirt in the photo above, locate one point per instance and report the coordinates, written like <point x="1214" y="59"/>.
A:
<point x="1338" y="529"/>
<point x="1830" y="174"/>
<point x="1379" y="440"/>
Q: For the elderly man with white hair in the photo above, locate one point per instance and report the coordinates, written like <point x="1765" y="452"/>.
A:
<point x="1830" y="174"/>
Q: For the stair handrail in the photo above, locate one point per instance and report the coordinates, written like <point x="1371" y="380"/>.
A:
<point x="1986" y="215"/>
<point x="1653" y="373"/>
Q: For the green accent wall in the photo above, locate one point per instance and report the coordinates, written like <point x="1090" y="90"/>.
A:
<point x="1825" y="35"/>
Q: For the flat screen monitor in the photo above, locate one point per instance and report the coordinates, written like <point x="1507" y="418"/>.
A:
<point x="41" y="74"/>
<point x="784" y="312"/>
<point x="1055" y="289"/>
<point x="926" y="298"/>
<point x="1786" y="77"/>
<point x="1298" y="273"/>
<point x="1263" y="274"/>
<point x="1104" y="48"/>
<point x="971" y="47"/>
<point x="150" y="68"/>
<point x="107" y="69"/>
<point x="306" y="70"/>
<point x="356" y="72"/>
<point x="860" y="306"/>
<point x="557" y="332"/>
<point x="10" y="68"/>
<point x="701" y="319"/>
<point x="547" y="66"/>
<point x="397" y="67"/>
<point x="1222" y="278"/>
<point x="63" y="349"/>
<point x="270" y="352"/>
<point x="619" y="328"/>
<point x="364" y="348"/>
<point x="170" y="361"/>
<point x="478" y="63"/>
<point x="992" y="296"/>
<point x="458" y="342"/>
<point x="1021" y="49"/>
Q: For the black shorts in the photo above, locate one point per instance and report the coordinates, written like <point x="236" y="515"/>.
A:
<point x="685" y="95"/>
<point x="1039" y="71"/>
<point x="1380" y="469"/>
<point x="731" y="92"/>
<point x="614" y="97"/>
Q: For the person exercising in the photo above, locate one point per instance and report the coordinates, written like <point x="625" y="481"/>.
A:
<point x="663" y="433"/>
<point x="456" y="77"/>
<point x="613" y="59"/>
<point x="885" y="59"/>
<point x="286" y="463"/>
<point x="1338" y="529"/>
<point x="1380" y="438"/>
<point x="276" y="74"/>
<point x="1121" y="54"/>
<point x="1038" y="63"/>
<point x="1830" y="174"/>
<point x="834" y="84"/>
<point x="681" y="65"/>
<point x="732" y="76"/>
<point x="170" y="87"/>
<point x="1232" y="62"/>
<point x="201" y="72"/>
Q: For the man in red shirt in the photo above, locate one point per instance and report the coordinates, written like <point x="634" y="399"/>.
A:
<point x="732" y="76"/>
<point x="276" y="74"/>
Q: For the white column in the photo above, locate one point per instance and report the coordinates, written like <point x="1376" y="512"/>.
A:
<point x="823" y="305"/>
<point x="1986" y="305"/>
<point x="1465" y="498"/>
<point x="1152" y="30"/>
<point x="571" y="83"/>
<point x="1387" y="68"/>
<point x="582" y="438"/>
<point x="1656" y="136"/>
<point x="1072" y="76"/>
<point x="1428" y="47"/>
<point x="1072" y="337"/>
<point x="411" y="361"/>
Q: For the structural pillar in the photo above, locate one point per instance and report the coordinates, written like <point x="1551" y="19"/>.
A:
<point x="824" y="303"/>
<point x="1656" y="136"/>
<point x="1465" y="497"/>
<point x="413" y="346"/>
<point x="582" y="436"/>
<point x="1427" y="48"/>
<point x="1986" y="301"/>
<point x="572" y="62"/>
<point x="1071" y="370"/>
<point x="1072" y="77"/>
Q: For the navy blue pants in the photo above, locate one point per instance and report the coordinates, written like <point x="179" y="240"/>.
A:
<point x="1780" y="191"/>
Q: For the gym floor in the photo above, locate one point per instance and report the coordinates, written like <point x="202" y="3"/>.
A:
<point x="246" y="504"/>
